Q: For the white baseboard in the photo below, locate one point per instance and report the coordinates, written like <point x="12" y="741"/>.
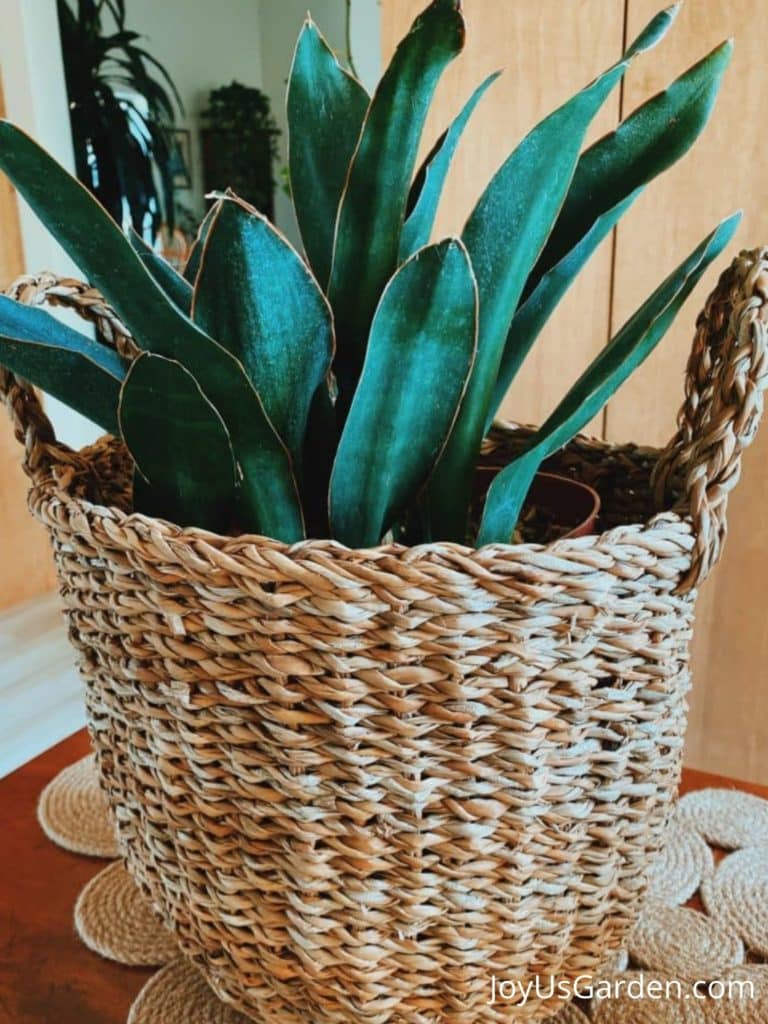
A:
<point x="41" y="700"/>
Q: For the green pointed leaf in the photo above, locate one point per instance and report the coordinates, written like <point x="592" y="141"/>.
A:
<point x="178" y="290"/>
<point x="505" y="235"/>
<point x="649" y="141"/>
<point x="428" y="185"/>
<point x="533" y="313"/>
<point x="654" y="31"/>
<point x="179" y="444"/>
<point x="419" y="357"/>
<point x="192" y="265"/>
<point x="268" y="495"/>
<point x="62" y="362"/>
<point x="256" y="294"/>
<point x="613" y="171"/>
<point x="326" y="110"/>
<point x="373" y="205"/>
<point x="624" y="353"/>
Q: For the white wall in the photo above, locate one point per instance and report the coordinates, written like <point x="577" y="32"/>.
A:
<point x="36" y="100"/>
<point x="281" y="22"/>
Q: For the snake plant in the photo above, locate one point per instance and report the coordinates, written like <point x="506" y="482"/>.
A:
<point x="345" y="391"/>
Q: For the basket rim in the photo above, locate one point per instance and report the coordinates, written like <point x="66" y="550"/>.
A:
<point x="434" y="552"/>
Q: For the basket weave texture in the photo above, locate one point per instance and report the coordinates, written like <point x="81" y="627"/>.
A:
<point x="359" y="784"/>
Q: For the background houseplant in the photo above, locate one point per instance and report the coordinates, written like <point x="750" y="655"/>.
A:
<point x="243" y="357"/>
<point x="239" y="141"/>
<point x="121" y="113"/>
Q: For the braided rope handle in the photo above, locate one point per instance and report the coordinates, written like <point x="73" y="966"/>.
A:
<point x="32" y="427"/>
<point x="727" y="373"/>
<point x="726" y="376"/>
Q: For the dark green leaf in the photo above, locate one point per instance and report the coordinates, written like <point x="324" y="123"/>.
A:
<point x="649" y="141"/>
<point x="624" y="353"/>
<point x="534" y="312"/>
<point x="505" y="235"/>
<point x="373" y="205"/>
<point x="179" y="444"/>
<point x="326" y="109"/>
<point x="195" y="253"/>
<point x="66" y="364"/>
<point x="172" y="283"/>
<point x="613" y="171"/>
<point x="268" y="495"/>
<point x="654" y="31"/>
<point x="428" y="184"/>
<point x="256" y="294"/>
<point x="419" y="357"/>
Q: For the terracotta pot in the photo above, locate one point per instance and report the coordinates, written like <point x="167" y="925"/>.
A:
<point x="568" y="503"/>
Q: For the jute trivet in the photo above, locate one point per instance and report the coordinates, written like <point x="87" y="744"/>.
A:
<point x="661" y="1000"/>
<point x="737" y="896"/>
<point x="114" y="919"/>
<point x="740" y="996"/>
<point x="681" y="867"/>
<point x="73" y="812"/>
<point x="683" y="942"/>
<point x="726" y="817"/>
<point x="180" y="995"/>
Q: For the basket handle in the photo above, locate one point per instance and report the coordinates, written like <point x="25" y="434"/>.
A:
<point x="726" y="376"/>
<point x="32" y="427"/>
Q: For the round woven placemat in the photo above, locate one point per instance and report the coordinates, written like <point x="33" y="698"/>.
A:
<point x="726" y="817"/>
<point x="73" y="812"/>
<point x="683" y="943"/>
<point x="681" y="867"/>
<point x="180" y="995"/>
<point x="737" y="896"/>
<point x="114" y="919"/>
<point x="676" y="1007"/>
<point x="738" y="1005"/>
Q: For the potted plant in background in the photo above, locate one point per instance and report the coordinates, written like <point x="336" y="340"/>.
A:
<point x="239" y="142"/>
<point x="358" y="776"/>
<point x="122" y="115"/>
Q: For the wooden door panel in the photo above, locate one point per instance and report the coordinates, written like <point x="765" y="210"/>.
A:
<point x="26" y="566"/>
<point x="726" y="171"/>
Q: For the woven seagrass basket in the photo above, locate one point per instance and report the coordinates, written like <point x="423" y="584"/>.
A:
<point x="360" y="784"/>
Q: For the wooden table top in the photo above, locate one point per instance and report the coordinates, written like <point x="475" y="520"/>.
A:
<point x="46" y="975"/>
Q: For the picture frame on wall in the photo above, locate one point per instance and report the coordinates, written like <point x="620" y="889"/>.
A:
<point x="181" y="158"/>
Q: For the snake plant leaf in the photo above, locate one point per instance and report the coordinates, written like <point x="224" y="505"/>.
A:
<point x="320" y="446"/>
<point x="268" y="493"/>
<point x="326" y="110"/>
<point x="257" y="295"/>
<point x="505" y="235"/>
<point x="648" y="142"/>
<point x="535" y="311"/>
<point x="429" y="182"/>
<point x="179" y="444"/>
<point x="419" y="357"/>
<point x="66" y="364"/>
<point x="173" y="284"/>
<point x="654" y="31"/>
<point x="373" y="205"/>
<point x="608" y="371"/>
<point x="192" y="265"/>
<point x="609" y="176"/>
